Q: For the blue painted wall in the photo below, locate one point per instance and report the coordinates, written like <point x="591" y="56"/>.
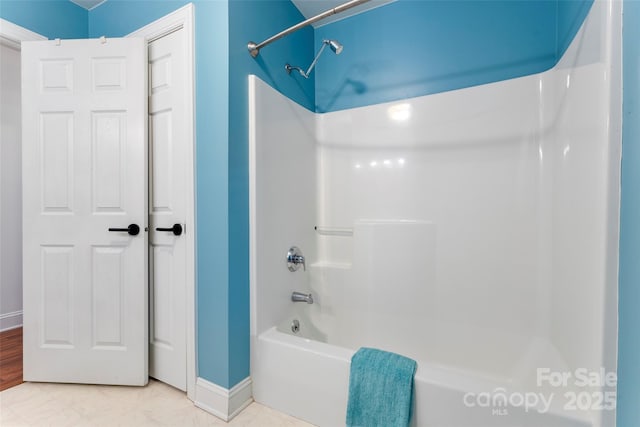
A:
<point x="50" y="18"/>
<point x="571" y="15"/>
<point x="413" y="48"/>
<point x="629" y="296"/>
<point x="117" y="18"/>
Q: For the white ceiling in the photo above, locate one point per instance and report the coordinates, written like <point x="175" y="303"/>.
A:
<point x="88" y="4"/>
<point x="308" y="8"/>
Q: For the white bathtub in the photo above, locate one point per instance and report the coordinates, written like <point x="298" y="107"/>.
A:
<point x="309" y="380"/>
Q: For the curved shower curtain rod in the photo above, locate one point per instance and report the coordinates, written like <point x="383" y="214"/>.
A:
<point x="254" y="49"/>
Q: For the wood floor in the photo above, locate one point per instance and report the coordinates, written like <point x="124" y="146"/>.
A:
<point x="10" y="358"/>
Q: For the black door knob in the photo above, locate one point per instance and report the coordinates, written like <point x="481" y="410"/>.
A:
<point x="176" y="229"/>
<point x="132" y="229"/>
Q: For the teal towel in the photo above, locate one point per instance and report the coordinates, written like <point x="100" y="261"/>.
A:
<point x="380" y="389"/>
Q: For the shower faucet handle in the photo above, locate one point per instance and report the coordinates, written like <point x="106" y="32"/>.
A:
<point x="295" y="259"/>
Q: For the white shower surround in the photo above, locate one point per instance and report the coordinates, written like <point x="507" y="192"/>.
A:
<point x="474" y="230"/>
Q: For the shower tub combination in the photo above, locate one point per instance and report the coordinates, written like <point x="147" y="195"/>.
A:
<point x="474" y="231"/>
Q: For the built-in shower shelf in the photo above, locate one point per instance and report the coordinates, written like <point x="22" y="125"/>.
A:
<point x="334" y="231"/>
<point x="331" y="265"/>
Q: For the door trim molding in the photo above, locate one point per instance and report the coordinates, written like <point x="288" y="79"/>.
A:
<point x="183" y="19"/>
<point x="13" y="35"/>
<point x="16" y="34"/>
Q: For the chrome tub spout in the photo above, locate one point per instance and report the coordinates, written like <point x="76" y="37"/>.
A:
<point x="300" y="297"/>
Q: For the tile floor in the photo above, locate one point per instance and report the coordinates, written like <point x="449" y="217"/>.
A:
<point x="40" y="404"/>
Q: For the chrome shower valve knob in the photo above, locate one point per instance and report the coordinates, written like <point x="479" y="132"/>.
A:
<point x="295" y="259"/>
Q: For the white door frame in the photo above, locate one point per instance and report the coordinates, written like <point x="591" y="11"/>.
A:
<point x="17" y="34"/>
<point x="183" y="19"/>
<point x="13" y="35"/>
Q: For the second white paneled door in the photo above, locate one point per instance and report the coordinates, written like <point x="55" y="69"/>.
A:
<point x="168" y="197"/>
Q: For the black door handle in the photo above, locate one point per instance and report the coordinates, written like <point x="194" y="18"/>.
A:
<point x="132" y="229"/>
<point x="176" y="229"/>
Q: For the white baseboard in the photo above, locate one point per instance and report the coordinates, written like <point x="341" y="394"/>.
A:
<point x="221" y="402"/>
<point x="10" y="320"/>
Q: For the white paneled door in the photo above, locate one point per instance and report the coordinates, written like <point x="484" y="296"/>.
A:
<point x="168" y="193"/>
<point x="84" y="194"/>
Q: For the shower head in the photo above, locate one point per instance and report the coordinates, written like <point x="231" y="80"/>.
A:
<point x="335" y="46"/>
